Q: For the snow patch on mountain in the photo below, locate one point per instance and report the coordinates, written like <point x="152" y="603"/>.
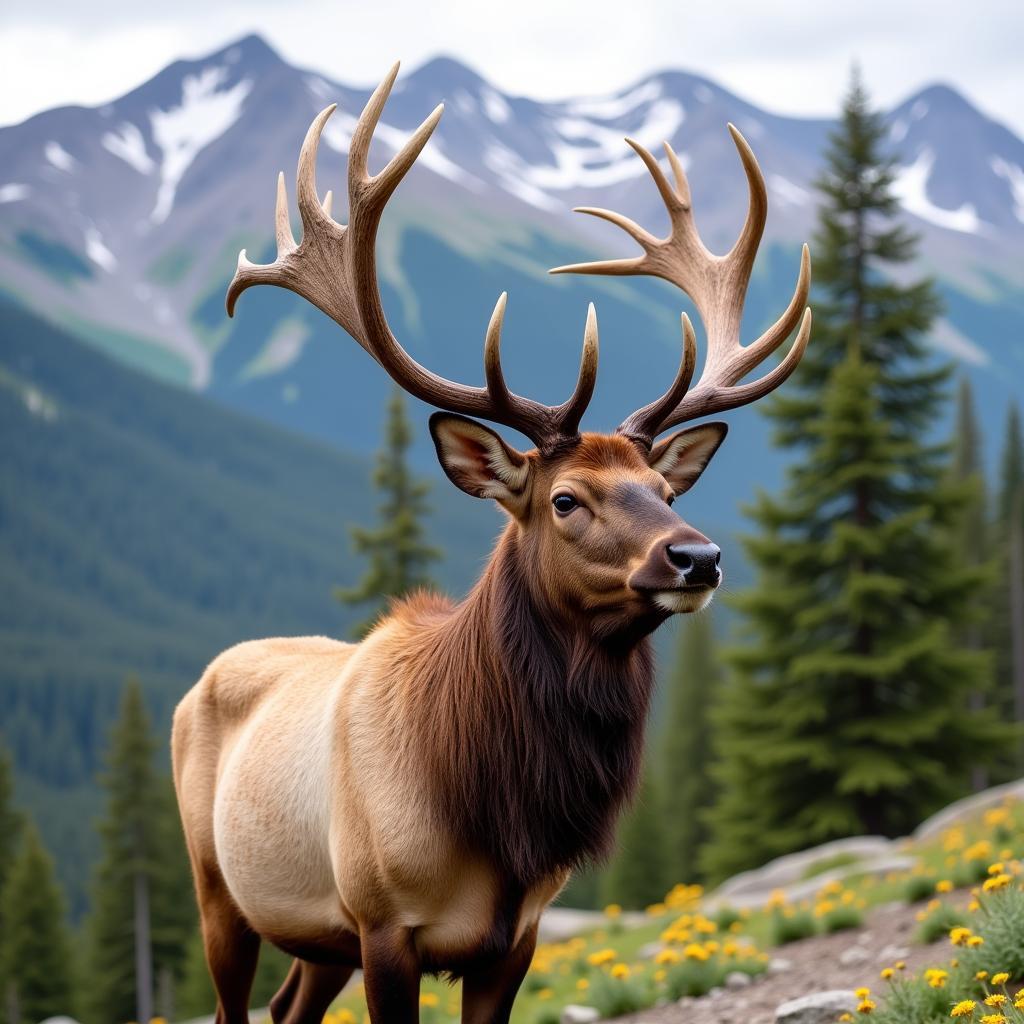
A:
<point x="898" y="130"/>
<point x="97" y="251"/>
<point x="57" y="155"/>
<point x="592" y="155"/>
<point x="702" y="94"/>
<point x="338" y="135"/>
<point x="205" y="113"/>
<point x="919" y="110"/>
<point x="508" y="168"/>
<point x="1014" y="176"/>
<point x="946" y="337"/>
<point x="14" y="191"/>
<point x="128" y="144"/>
<point x="911" y="189"/>
<point x="607" y="108"/>
<point x="320" y="88"/>
<point x="464" y="102"/>
<point x="788" y="192"/>
<point x="495" y="106"/>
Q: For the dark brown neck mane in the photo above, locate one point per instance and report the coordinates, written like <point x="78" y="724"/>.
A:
<point x="531" y="728"/>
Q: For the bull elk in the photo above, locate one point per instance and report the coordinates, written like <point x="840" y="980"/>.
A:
<point x="411" y="804"/>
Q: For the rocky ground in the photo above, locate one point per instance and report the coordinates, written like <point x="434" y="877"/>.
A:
<point x="843" y="961"/>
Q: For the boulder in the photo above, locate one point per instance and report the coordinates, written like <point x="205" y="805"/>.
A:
<point x="579" y="1015"/>
<point x="817" y="1008"/>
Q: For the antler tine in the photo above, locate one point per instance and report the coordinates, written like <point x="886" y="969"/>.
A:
<point x="645" y="423"/>
<point x="717" y="285"/>
<point x="282" y="221"/>
<point x="569" y="413"/>
<point x="310" y="210"/>
<point x="493" y="373"/>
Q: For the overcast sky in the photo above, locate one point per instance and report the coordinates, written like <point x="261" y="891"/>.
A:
<point x="789" y="56"/>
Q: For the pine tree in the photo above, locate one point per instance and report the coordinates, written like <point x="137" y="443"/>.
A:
<point x="1008" y="603"/>
<point x="142" y="901"/>
<point x="636" y="877"/>
<point x="686" y="747"/>
<point x="849" y="707"/>
<point x="10" y="833"/>
<point x="971" y="535"/>
<point x="35" y="950"/>
<point x="396" y="548"/>
<point x="10" y="823"/>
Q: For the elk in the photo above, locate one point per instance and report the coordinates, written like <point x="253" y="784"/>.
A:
<point x="411" y="803"/>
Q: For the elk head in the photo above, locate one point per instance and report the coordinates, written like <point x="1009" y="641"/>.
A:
<point x="593" y="511"/>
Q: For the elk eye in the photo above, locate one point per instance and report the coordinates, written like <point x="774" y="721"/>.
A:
<point x="564" y="504"/>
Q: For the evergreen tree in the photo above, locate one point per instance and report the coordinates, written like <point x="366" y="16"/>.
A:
<point x="35" y="950"/>
<point x="396" y="548"/>
<point x="636" y="877"/>
<point x="849" y="707"/>
<point x="10" y="831"/>
<point x="1008" y="605"/>
<point x="971" y="536"/>
<point x="142" y="901"/>
<point x="686" y="747"/>
<point x="10" y="823"/>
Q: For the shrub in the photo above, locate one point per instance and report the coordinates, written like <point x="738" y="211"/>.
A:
<point x="939" y="923"/>
<point x="613" y="996"/>
<point x="692" y="977"/>
<point x="919" y="887"/>
<point x="725" y="917"/>
<point x="842" y="917"/>
<point x="790" y="924"/>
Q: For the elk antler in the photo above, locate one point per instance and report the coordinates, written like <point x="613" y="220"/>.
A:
<point x="717" y="285"/>
<point x="335" y="268"/>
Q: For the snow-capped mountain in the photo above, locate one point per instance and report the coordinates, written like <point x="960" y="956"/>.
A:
<point x="123" y="221"/>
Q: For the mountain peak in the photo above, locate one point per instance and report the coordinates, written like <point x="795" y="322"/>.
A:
<point x="251" y="50"/>
<point x="446" y="72"/>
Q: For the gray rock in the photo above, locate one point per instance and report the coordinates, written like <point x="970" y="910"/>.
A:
<point x="818" y="1008"/>
<point x="579" y="1015"/>
<point x="970" y="805"/>
<point x="854" y="955"/>
<point x="737" y="979"/>
<point x="779" y="965"/>
<point x="890" y="953"/>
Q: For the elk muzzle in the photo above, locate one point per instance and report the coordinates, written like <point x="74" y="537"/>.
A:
<point x="680" y="572"/>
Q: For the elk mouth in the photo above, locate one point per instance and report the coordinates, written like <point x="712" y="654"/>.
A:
<point x="687" y="598"/>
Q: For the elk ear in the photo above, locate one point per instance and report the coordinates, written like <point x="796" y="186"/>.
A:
<point x="478" y="461"/>
<point x="681" y="458"/>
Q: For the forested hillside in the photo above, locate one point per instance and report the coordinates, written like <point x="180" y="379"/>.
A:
<point x="143" y="530"/>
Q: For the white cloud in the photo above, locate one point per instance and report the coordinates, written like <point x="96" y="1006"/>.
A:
<point x="784" y="56"/>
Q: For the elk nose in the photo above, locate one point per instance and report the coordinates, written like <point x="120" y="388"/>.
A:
<point x="697" y="562"/>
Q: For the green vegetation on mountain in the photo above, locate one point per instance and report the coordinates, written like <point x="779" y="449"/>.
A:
<point x="850" y="709"/>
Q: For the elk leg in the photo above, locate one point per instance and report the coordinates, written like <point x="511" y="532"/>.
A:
<point x="391" y="976"/>
<point x="285" y="995"/>
<point x="311" y="989"/>
<point x="232" y="949"/>
<point x="488" y="993"/>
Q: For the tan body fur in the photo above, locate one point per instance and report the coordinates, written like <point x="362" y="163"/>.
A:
<point x="291" y="756"/>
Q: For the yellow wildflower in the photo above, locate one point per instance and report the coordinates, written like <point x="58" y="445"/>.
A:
<point x="666" y="956"/>
<point x="865" y="1006"/>
<point x="1001" y="978"/>
<point x="963" y="1009"/>
<point x="958" y="936"/>
<point x="975" y="941"/>
<point x="620" y="971"/>
<point x="582" y="985"/>
<point x="936" y="977"/>
<point x="613" y="910"/>
<point x="887" y="973"/>
<point x="995" y="999"/>
<point x="944" y="886"/>
<point x="602" y="956"/>
<point x="996" y="882"/>
<point x="994" y="1018"/>
<point x="862" y="993"/>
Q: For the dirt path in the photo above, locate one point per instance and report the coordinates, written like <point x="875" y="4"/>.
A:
<point x="816" y="965"/>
